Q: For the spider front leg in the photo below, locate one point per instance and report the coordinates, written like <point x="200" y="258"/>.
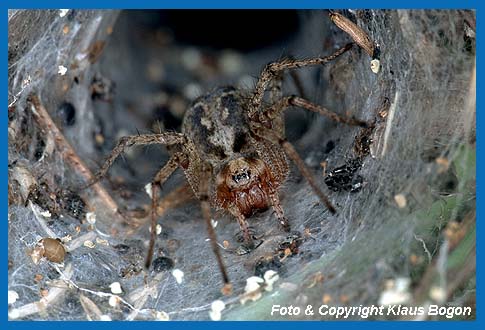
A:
<point x="206" y="213"/>
<point x="283" y="222"/>
<point x="278" y="107"/>
<point x="162" y="176"/>
<point x="167" y="138"/>
<point x="243" y="224"/>
<point x="275" y="94"/>
<point x="273" y="113"/>
<point x="293" y="154"/>
<point x="273" y="70"/>
<point x="247" y="235"/>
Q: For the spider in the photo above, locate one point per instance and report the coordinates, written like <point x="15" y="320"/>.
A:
<point x="233" y="151"/>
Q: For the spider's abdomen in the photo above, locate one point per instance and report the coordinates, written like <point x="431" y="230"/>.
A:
<point x="218" y="125"/>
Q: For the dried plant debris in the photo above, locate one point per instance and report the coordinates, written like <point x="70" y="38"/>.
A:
<point x="355" y="32"/>
<point x="289" y="246"/>
<point x="362" y="142"/>
<point x="58" y="202"/>
<point x="345" y="177"/>
<point x="102" y="88"/>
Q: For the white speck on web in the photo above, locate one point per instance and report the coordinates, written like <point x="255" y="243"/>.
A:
<point x="115" y="287"/>
<point x="12" y="296"/>
<point x="217" y="307"/>
<point x="91" y="218"/>
<point x="63" y="12"/>
<point x="179" y="275"/>
<point x="62" y="70"/>
<point x="270" y="277"/>
<point x="148" y="189"/>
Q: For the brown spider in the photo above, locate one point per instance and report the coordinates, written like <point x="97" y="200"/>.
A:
<point x="233" y="151"/>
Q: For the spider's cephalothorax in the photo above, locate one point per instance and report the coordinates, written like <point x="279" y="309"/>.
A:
<point x="246" y="169"/>
<point x="233" y="151"/>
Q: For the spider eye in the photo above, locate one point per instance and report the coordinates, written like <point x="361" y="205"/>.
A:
<point x="244" y="175"/>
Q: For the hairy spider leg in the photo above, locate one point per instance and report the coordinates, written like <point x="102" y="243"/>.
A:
<point x="288" y="101"/>
<point x="165" y="172"/>
<point x="167" y="138"/>
<point x="264" y="119"/>
<point x="206" y="213"/>
<point x="273" y="69"/>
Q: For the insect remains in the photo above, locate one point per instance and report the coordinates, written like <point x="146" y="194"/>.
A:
<point x="233" y="152"/>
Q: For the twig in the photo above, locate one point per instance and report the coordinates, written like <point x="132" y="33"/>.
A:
<point x="101" y="294"/>
<point x="90" y="308"/>
<point x="360" y="37"/>
<point x="40" y="218"/>
<point x="46" y="123"/>
<point x="390" y="117"/>
<point x="140" y="296"/>
<point x="424" y="247"/>
<point x="43" y="303"/>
